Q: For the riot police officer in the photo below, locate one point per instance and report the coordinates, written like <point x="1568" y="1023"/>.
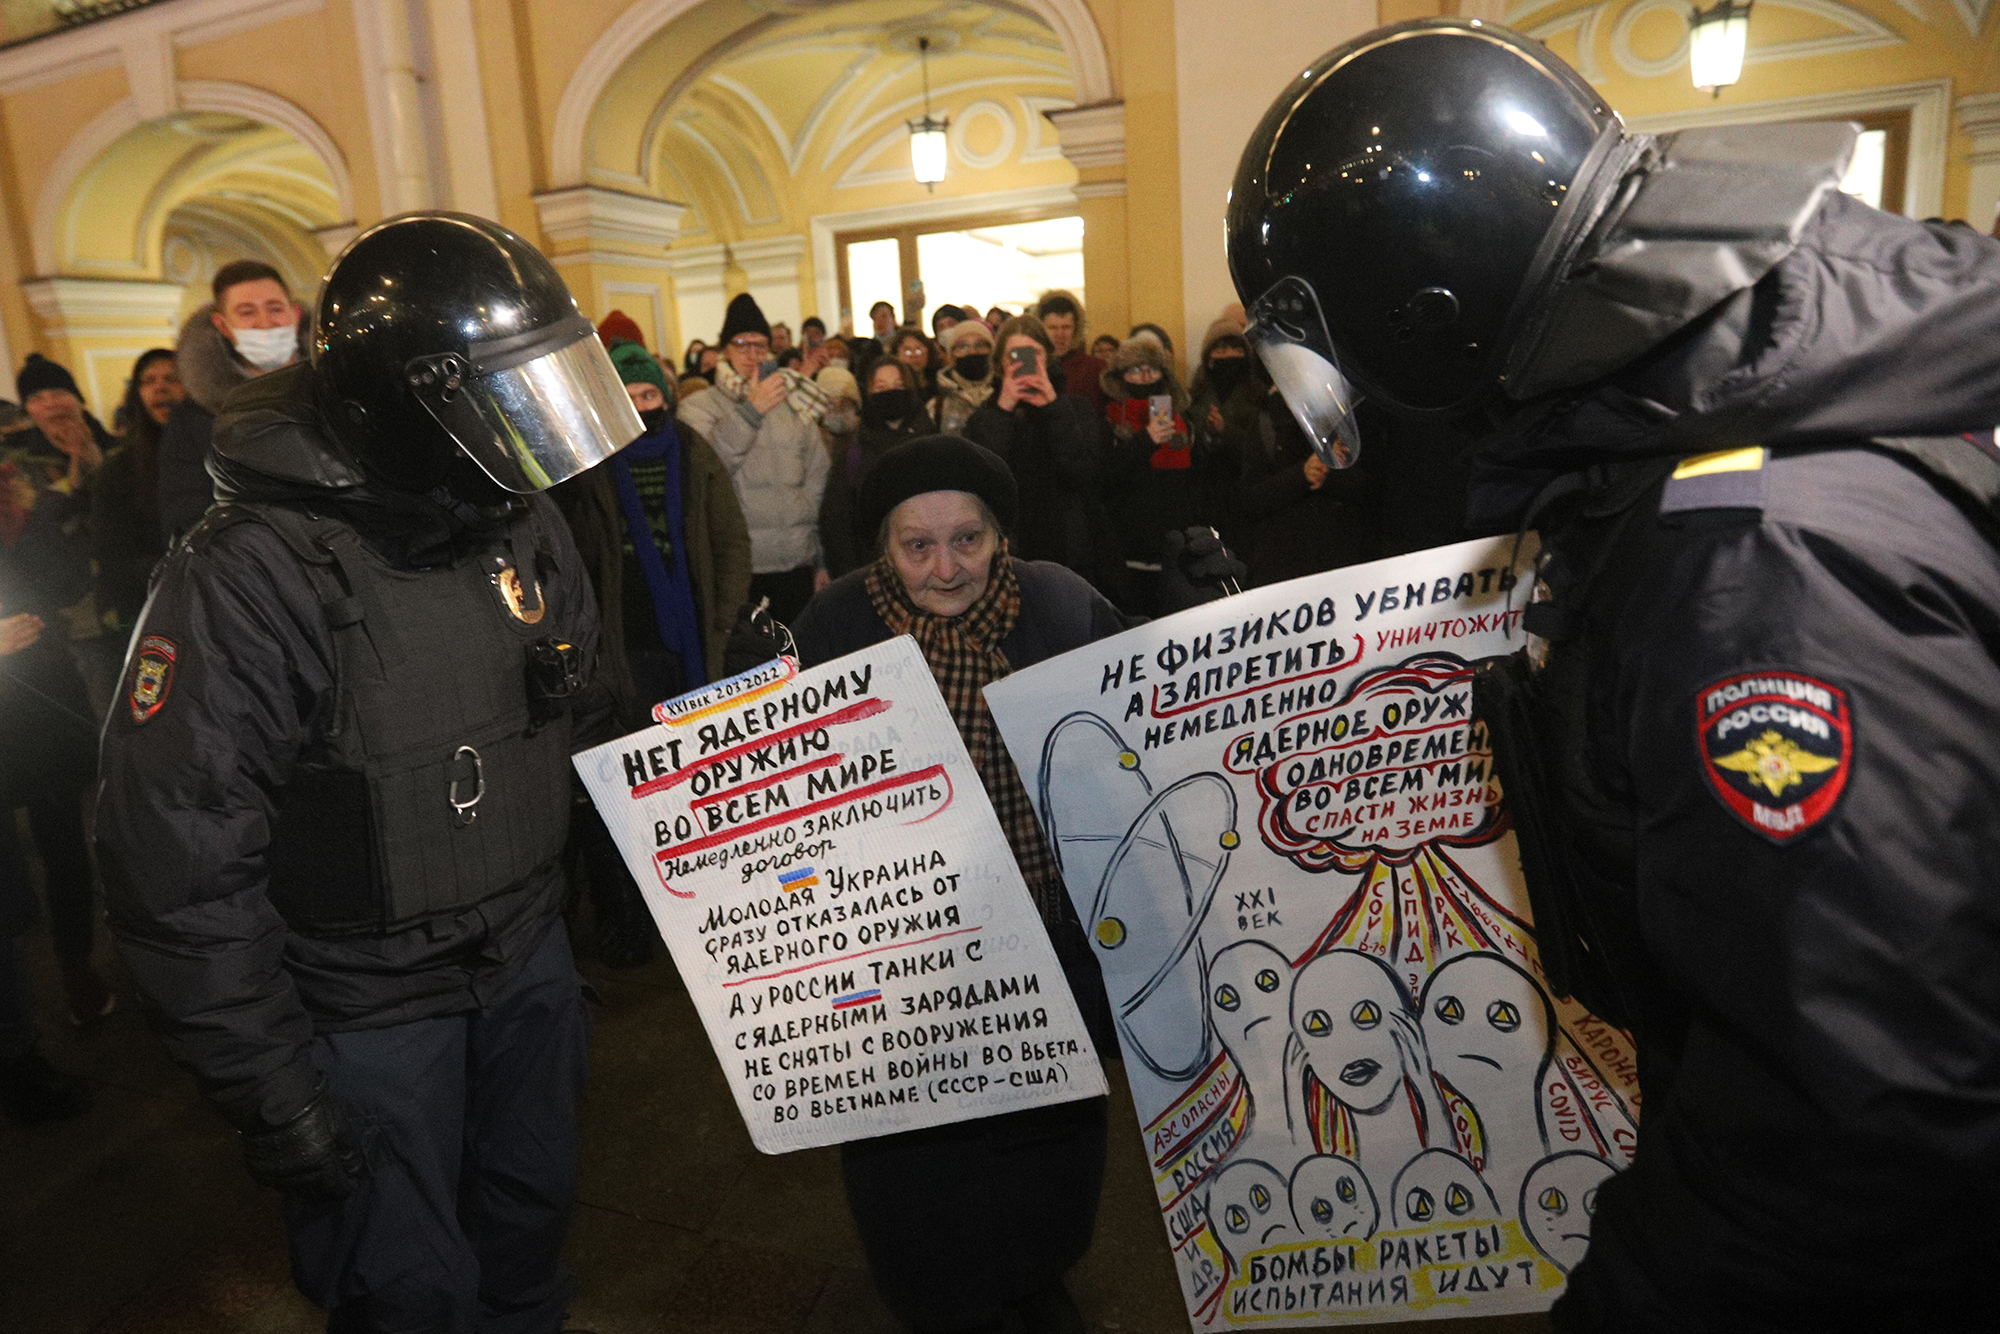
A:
<point x="1753" y="750"/>
<point x="336" y="780"/>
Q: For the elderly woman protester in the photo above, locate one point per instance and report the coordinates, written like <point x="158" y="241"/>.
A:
<point x="971" y="1226"/>
<point x="765" y="423"/>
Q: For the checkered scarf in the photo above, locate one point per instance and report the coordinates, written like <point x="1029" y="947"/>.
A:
<point x="964" y="655"/>
<point x="807" y="399"/>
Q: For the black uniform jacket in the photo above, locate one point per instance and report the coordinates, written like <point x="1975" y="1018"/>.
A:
<point x="188" y="796"/>
<point x="1815" y="983"/>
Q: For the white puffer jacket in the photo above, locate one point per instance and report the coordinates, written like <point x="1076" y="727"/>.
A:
<point x="779" y="464"/>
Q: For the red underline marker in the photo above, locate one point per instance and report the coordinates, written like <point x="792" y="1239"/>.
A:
<point x="811" y="808"/>
<point x="763" y="783"/>
<point x="867" y="708"/>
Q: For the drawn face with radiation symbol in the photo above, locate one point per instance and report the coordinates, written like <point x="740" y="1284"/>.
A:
<point x="1438" y="1187"/>
<point x="1558" y="1198"/>
<point x="1246" y="1003"/>
<point x="1486" y="1020"/>
<point x="1331" y="1198"/>
<point x="1490" y="1032"/>
<point x="1248" y="1207"/>
<point x="1347" y="1008"/>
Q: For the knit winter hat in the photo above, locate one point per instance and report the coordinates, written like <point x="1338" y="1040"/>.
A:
<point x="971" y="327"/>
<point x="619" y="325"/>
<point x="935" y="463"/>
<point x="40" y="373"/>
<point x="744" y="317"/>
<point x="636" y="366"/>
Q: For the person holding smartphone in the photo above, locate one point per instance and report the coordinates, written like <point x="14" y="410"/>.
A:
<point x="1056" y="446"/>
<point x="765" y="422"/>
<point x="1158" y="479"/>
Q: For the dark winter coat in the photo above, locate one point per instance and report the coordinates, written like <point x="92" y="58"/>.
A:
<point x="209" y="370"/>
<point x="189" y="796"/>
<point x="125" y="523"/>
<point x="45" y="714"/>
<point x="1058" y="454"/>
<point x="1812" y="983"/>
<point x="1288" y="529"/>
<point x="718" y="556"/>
<point x="1151" y="490"/>
<point x="847" y="547"/>
<point x="1036" y="1174"/>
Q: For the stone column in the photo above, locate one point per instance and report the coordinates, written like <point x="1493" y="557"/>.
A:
<point x="1093" y="139"/>
<point x="97" y="327"/>
<point x="611" y="249"/>
<point x="699" y="300"/>
<point x="770" y="267"/>
<point x="1979" y="116"/>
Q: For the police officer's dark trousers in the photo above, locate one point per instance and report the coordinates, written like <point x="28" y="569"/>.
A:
<point x="470" y="1127"/>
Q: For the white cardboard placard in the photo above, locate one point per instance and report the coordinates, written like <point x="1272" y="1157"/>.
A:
<point x="1282" y="833"/>
<point x="839" y="897"/>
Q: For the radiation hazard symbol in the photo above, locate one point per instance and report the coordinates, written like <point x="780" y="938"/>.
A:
<point x="1775" y="747"/>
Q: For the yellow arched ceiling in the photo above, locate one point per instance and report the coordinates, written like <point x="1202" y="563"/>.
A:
<point x="195" y="172"/>
<point x="757" y="115"/>
<point x="1636" y="50"/>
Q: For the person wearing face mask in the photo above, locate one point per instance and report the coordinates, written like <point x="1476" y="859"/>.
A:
<point x="663" y="536"/>
<point x="251" y="328"/>
<point x="967" y="381"/>
<point x="972" y="1226"/>
<point x="1228" y="386"/>
<point x="1156" y="481"/>
<point x="892" y="412"/>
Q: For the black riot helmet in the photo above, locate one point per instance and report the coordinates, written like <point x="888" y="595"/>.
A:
<point x="1395" y="210"/>
<point x="441" y="332"/>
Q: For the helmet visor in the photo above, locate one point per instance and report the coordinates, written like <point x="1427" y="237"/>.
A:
<point x="1289" y="336"/>
<point x="536" y="420"/>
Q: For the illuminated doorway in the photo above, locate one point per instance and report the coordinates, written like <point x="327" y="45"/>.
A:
<point x="976" y="262"/>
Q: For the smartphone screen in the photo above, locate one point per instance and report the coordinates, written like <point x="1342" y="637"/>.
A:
<point x="1162" y="406"/>
<point x="765" y="367"/>
<point x="1020" y="362"/>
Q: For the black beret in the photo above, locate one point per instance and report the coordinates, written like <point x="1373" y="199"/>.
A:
<point x="935" y="463"/>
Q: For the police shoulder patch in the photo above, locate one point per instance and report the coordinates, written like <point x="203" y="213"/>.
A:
<point x="152" y="676"/>
<point x="1775" y="747"/>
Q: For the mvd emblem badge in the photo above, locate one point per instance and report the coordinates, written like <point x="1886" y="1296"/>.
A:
<point x="152" y="676"/>
<point x="1775" y="747"/>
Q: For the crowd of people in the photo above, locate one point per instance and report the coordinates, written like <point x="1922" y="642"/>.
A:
<point x="744" y="492"/>
<point x="770" y="473"/>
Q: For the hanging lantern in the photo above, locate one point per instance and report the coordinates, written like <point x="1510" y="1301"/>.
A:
<point x="927" y="142"/>
<point x="1717" y="39"/>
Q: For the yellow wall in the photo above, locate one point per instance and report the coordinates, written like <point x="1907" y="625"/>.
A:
<point x="1152" y="251"/>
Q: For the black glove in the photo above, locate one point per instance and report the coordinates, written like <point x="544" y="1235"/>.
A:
<point x="755" y="640"/>
<point x="1195" y="568"/>
<point x="316" y="1154"/>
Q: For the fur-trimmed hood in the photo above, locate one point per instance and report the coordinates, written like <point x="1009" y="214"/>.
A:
<point x="1142" y="352"/>
<point x="207" y="362"/>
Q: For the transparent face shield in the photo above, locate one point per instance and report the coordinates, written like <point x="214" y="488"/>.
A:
<point x="532" y="410"/>
<point x="1289" y="336"/>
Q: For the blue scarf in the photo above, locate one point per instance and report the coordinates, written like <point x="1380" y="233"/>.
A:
<point x="673" y="595"/>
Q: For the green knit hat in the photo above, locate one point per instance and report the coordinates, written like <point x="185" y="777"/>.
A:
<point x="636" y="366"/>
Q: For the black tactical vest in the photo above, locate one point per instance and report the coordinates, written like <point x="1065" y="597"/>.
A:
<point x="429" y="787"/>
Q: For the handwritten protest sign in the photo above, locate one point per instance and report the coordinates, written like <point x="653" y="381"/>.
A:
<point x="1281" y="830"/>
<point x="841" y="902"/>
